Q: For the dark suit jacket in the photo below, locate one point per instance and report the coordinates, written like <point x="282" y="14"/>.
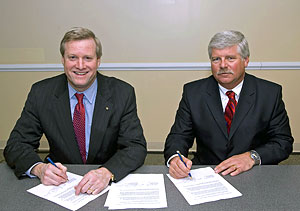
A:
<point x="117" y="141"/>
<point x="260" y="123"/>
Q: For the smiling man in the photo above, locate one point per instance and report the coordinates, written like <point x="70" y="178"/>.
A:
<point x="238" y="120"/>
<point x="87" y="118"/>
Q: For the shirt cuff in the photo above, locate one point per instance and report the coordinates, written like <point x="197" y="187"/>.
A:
<point x="168" y="162"/>
<point x="29" y="170"/>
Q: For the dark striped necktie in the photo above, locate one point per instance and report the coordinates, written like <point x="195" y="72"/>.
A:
<point x="230" y="109"/>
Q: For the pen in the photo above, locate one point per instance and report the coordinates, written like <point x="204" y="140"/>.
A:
<point x="180" y="156"/>
<point x="49" y="159"/>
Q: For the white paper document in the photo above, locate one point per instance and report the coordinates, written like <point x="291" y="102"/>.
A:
<point x="205" y="186"/>
<point x="137" y="191"/>
<point x="64" y="194"/>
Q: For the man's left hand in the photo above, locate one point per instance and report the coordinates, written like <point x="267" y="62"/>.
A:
<point x="94" y="181"/>
<point x="235" y="164"/>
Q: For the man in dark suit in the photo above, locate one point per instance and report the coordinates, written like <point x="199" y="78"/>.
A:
<point x="107" y="131"/>
<point x="238" y="120"/>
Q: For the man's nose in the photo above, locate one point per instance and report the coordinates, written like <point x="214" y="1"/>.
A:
<point x="223" y="63"/>
<point x="80" y="64"/>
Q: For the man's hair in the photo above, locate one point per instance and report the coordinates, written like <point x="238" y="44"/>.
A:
<point x="230" y="38"/>
<point x="79" y="33"/>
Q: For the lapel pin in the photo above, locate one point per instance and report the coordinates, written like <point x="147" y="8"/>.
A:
<point x="106" y="108"/>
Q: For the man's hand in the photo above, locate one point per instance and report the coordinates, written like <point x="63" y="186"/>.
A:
<point x="235" y="164"/>
<point x="177" y="169"/>
<point x="94" y="181"/>
<point x="49" y="174"/>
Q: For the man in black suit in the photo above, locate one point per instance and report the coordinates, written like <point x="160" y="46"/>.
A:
<point x="233" y="131"/>
<point x="110" y="132"/>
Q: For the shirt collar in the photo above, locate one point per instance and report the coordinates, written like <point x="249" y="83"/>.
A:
<point x="89" y="94"/>
<point x="237" y="90"/>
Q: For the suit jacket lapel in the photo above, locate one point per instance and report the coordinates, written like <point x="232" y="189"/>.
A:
<point x="245" y="102"/>
<point x="214" y="104"/>
<point x="64" y="123"/>
<point x="102" y="112"/>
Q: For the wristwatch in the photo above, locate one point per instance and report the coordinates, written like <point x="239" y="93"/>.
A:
<point x="255" y="156"/>
<point x="112" y="179"/>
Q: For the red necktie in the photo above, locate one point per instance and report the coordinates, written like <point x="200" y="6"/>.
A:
<point x="230" y="109"/>
<point x="79" y="125"/>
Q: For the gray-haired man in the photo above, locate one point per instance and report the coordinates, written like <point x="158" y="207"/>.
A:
<point x="238" y="120"/>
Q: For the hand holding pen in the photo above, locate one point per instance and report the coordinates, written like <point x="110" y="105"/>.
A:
<point x="53" y="174"/>
<point x="179" y="166"/>
<point x="63" y="169"/>
<point x="180" y="156"/>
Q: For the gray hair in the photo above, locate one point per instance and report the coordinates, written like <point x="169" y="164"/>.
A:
<point x="79" y="33"/>
<point x="230" y="38"/>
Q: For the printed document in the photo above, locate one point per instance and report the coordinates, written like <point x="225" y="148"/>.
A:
<point x="205" y="186"/>
<point x="64" y="194"/>
<point x="137" y="191"/>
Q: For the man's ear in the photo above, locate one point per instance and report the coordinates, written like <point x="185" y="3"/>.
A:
<point x="246" y="61"/>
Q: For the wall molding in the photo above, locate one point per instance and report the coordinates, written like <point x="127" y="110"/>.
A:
<point x="148" y="66"/>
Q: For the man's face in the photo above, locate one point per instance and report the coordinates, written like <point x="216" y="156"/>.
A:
<point x="228" y="67"/>
<point x="80" y="63"/>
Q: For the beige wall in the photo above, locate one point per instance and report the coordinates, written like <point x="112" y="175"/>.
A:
<point x="147" y="31"/>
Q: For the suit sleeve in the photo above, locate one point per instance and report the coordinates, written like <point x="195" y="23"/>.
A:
<point x="25" y="138"/>
<point x="131" y="144"/>
<point x="181" y="136"/>
<point x="279" y="140"/>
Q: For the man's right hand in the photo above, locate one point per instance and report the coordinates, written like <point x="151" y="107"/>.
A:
<point x="177" y="169"/>
<point x="49" y="174"/>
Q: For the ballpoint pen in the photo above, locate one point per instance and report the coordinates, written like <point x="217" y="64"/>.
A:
<point x="180" y="156"/>
<point x="49" y="159"/>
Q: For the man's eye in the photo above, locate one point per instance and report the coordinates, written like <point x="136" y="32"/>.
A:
<point x="72" y="57"/>
<point x="215" y="60"/>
